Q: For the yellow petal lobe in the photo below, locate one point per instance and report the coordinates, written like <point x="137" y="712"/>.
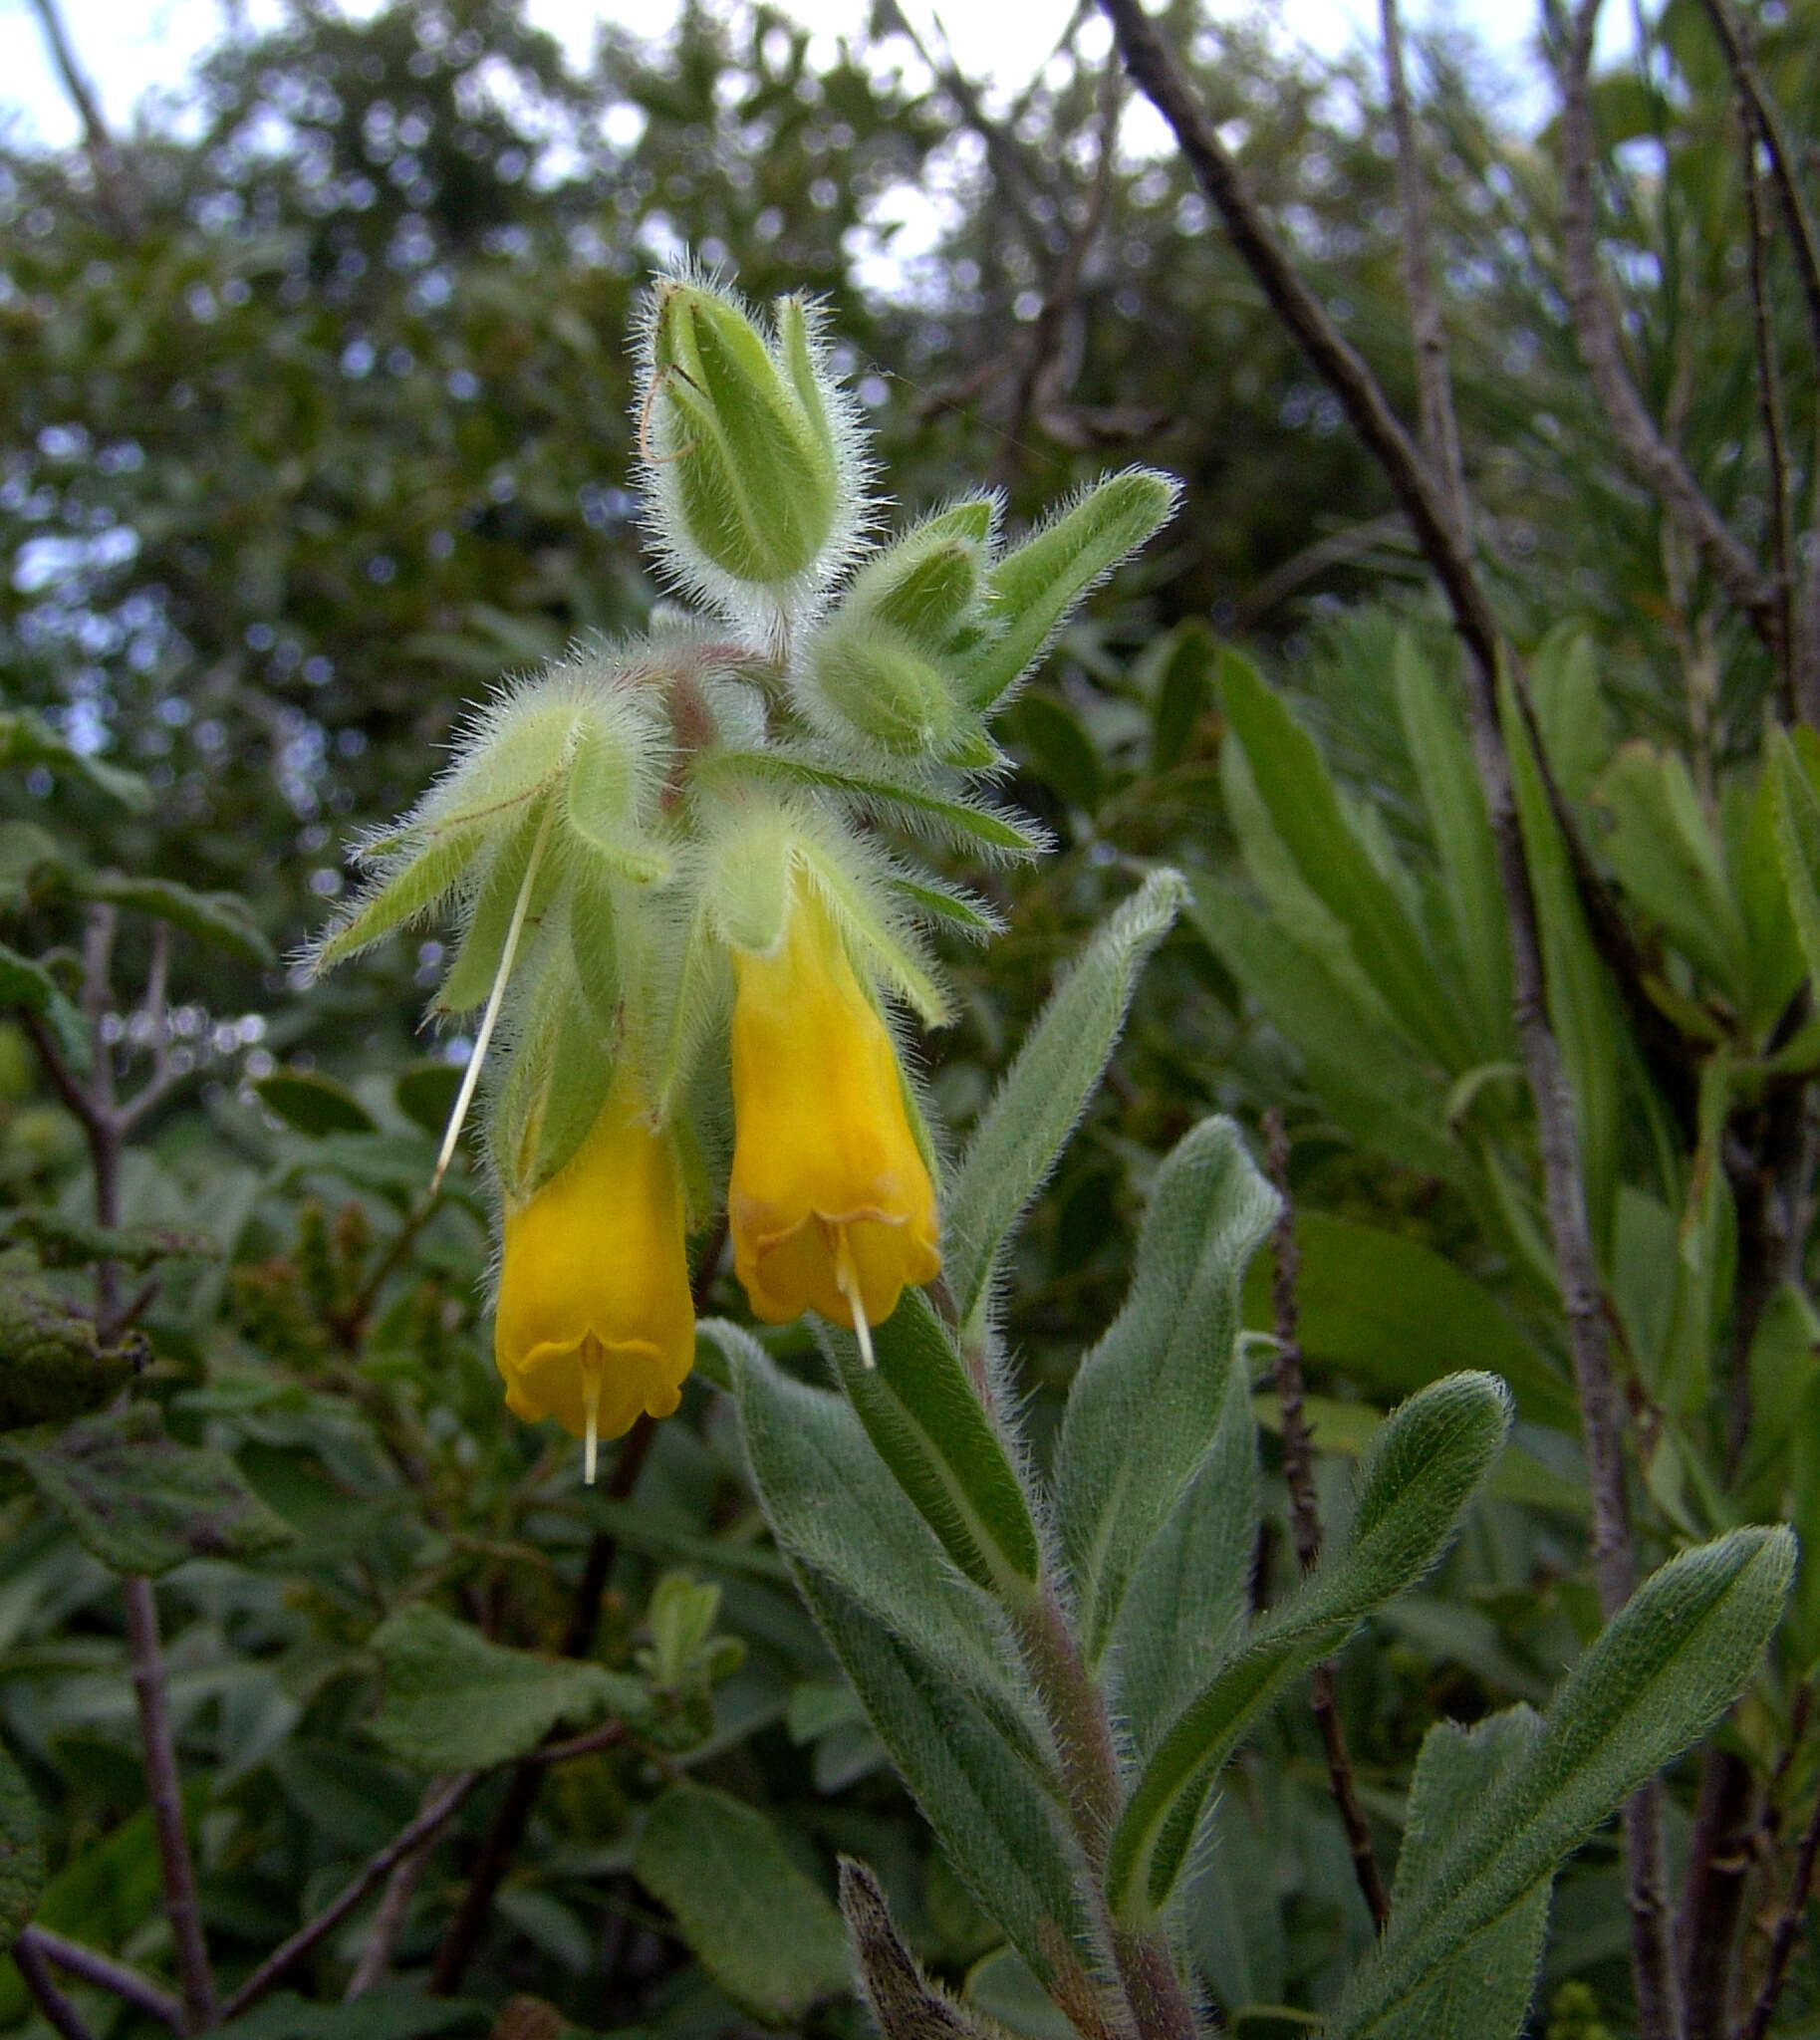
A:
<point x="830" y="1195"/>
<point x="595" y="1324"/>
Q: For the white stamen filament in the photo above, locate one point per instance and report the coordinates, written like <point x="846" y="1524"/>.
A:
<point x="591" y="1403"/>
<point x="847" y="1281"/>
<point x="470" y="1077"/>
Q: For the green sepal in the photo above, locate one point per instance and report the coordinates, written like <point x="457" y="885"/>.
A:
<point x="1031" y="590"/>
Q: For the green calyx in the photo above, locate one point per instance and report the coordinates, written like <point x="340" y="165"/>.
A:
<point x="741" y="438"/>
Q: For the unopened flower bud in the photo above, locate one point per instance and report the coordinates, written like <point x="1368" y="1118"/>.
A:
<point x="875" y="680"/>
<point x="744" y="432"/>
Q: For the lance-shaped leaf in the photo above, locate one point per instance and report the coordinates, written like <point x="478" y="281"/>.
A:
<point x="1581" y="1003"/>
<point x="222" y="920"/>
<point x="904" y="2003"/>
<point x="1423" y="1466"/>
<point x="21" y="1852"/>
<point x="1465" y="849"/>
<point x="1665" y="1667"/>
<point x="1482" y="1992"/>
<point x="142" y="1503"/>
<point x="1031" y="590"/>
<point x="1396" y="1315"/>
<point x="753" y="1920"/>
<point x="1057" y="1070"/>
<point x="24" y="740"/>
<point x="455" y="1702"/>
<point x="932" y="1430"/>
<point x="1798" y="840"/>
<point x="1147" y="1400"/>
<point x="926" y="1651"/>
<point x="1305" y="809"/>
<point x="831" y="1508"/>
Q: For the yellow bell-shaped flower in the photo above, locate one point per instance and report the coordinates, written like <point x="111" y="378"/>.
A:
<point x="595" y="1324"/>
<point x="831" y="1205"/>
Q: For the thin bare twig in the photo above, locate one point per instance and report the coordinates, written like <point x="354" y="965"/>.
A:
<point x="389" y="1918"/>
<point x="37" y="1978"/>
<point x="1786" y="1932"/>
<point x="1600" y="351"/>
<point x="1767" y="117"/>
<point x="1769" y="404"/>
<point x="1156" y="70"/>
<point x="131" y="1986"/>
<point x="422" y="1831"/>
<point x="166" y="1796"/>
<point x="1439" y="426"/>
<point x="1305" y="1521"/>
<point x="609" y="1736"/>
<point x="116" y="191"/>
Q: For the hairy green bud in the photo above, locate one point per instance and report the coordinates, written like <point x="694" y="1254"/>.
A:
<point x="743" y="431"/>
<point x="877" y="682"/>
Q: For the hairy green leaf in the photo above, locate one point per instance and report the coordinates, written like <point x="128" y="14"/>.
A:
<point x="1423" y="1466"/>
<point x="142" y="1503"/>
<point x="1667" y="1667"/>
<point x="21" y="1852"/>
<point x="1144" y="1405"/>
<point x="933" y="1432"/>
<point x="1063" y="1058"/>
<point x="455" y="1702"/>
<point x="754" y="1922"/>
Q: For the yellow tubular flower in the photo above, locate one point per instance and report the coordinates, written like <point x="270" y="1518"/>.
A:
<point x="595" y="1324"/>
<point x="830" y="1207"/>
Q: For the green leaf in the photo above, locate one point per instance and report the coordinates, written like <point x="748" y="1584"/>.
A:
<point x="1056" y="747"/>
<point x="1665" y="1667"/>
<point x="1047" y="1089"/>
<point x="1367" y="1074"/>
<point x="1190" y="1591"/>
<point x="456" y="1702"/>
<point x="1798" y="839"/>
<point x="928" y="1652"/>
<point x="142" y="1503"/>
<point x="392" y="2013"/>
<point x="1581" y="1004"/>
<point x="1144" y="1405"/>
<point x="904" y="2003"/>
<point x="1184" y="690"/>
<point x="1427" y="1460"/>
<point x="932" y="1430"/>
<point x="971" y="826"/>
<point x="425" y="1094"/>
<point x="830" y="1508"/>
<point x="1334" y="864"/>
<point x="57" y="1240"/>
<point x="222" y="920"/>
<point x="1482" y="1992"/>
<point x="25" y="741"/>
<point x="1396" y="1315"/>
<point x="1032" y="589"/>
<point x="1464" y="846"/>
<point x="26" y="987"/>
<point x="753" y="1920"/>
<point x="1668" y="862"/>
<point x="312" y="1104"/>
<point x="21" y="1852"/>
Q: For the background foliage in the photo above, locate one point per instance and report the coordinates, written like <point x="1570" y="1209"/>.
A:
<point x="313" y="419"/>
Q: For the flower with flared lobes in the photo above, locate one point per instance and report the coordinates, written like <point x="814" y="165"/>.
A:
<point x="595" y="1324"/>
<point x="830" y="1202"/>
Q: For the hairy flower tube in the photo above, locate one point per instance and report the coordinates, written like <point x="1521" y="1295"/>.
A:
<point x="830" y="1205"/>
<point x="595" y="1324"/>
